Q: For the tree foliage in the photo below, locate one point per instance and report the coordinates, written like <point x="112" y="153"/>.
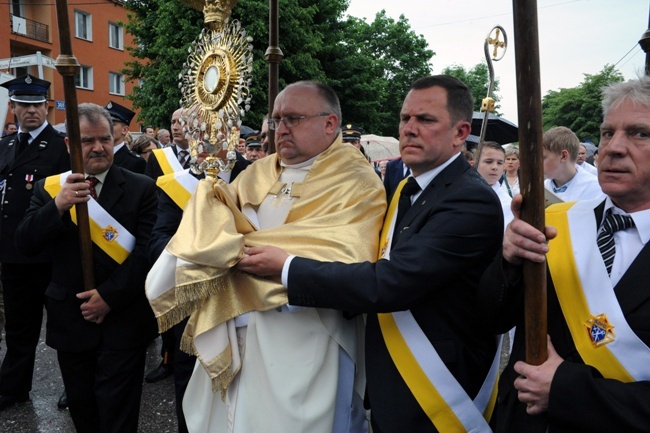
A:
<point x="579" y="108"/>
<point x="478" y="80"/>
<point x="370" y="65"/>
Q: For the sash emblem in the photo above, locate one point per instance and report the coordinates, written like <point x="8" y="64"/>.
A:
<point x="600" y="331"/>
<point x="109" y="234"/>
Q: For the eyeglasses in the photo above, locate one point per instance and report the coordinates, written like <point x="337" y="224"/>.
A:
<point x="291" y="121"/>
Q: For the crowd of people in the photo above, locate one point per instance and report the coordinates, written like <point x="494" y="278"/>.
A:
<point x="310" y="291"/>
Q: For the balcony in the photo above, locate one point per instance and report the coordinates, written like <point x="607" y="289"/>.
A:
<point x="31" y="29"/>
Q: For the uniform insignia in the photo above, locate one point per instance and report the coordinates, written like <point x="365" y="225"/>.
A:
<point x="109" y="234"/>
<point x="28" y="80"/>
<point x="600" y="331"/>
<point x="42" y="145"/>
<point x="110" y="105"/>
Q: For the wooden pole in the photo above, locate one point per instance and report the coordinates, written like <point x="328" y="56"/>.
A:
<point x="68" y="66"/>
<point x="529" y="101"/>
<point x="273" y="57"/>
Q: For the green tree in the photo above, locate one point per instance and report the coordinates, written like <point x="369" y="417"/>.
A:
<point x="370" y="65"/>
<point x="579" y="108"/>
<point x="478" y="80"/>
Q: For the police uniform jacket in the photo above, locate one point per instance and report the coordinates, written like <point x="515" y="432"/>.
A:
<point x="130" y="198"/>
<point x="46" y="155"/>
<point x="130" y="160"/>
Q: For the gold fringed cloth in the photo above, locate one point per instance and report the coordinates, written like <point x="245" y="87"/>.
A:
<point x="337" y="215"/>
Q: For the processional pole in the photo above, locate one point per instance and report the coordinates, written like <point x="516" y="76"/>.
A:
<point x="273" y="57"/>
<point x="498" y="51"/>
<point x="529" y="102"/>
<point x="67" y="65"/>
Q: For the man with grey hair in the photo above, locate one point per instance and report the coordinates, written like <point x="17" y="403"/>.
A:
<point x="100" y="334"/>
<point x="596" y="377"/>
<point x="275" y="367"/>
<point x="163" y="137"/>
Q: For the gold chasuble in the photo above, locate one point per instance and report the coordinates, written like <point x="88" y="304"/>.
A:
<point x="336" y="215"/>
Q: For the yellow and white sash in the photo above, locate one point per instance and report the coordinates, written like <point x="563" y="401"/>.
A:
<point x="167" y="160"/>
<point x="179" y="186"/>
<point x="615" y="350"/>
<point x="105" y="231"/>
<point x="439" y="394"/>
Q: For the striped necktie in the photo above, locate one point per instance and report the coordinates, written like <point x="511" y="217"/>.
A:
<point x="612" y="223"/>
<point x="182" y="157"/>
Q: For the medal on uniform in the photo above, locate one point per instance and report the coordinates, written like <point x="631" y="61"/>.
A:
<point x="29" y="178"/>
<point x="600" y="331"/>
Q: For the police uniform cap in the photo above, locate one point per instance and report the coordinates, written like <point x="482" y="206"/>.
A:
<point x="27" y="89"/>
<point x="119" y="113"/>
<point x="253" y="140"/>
<point x="352" y="132"/>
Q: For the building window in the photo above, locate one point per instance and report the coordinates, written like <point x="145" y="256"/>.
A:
<point x="115" y="83"/>
<point x="115" y="36"/>
<point x="84" y="78"/>
<point x="83" y="28"/>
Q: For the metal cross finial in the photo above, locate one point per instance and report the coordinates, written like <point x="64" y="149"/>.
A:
<point x="497" y="31"/>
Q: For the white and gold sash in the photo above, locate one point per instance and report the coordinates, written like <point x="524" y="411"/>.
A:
<point x="439" y="394"/>
<point x="179" y="186"/>
<point x="616" y="351"/>
<point x="105" y="231"/>
<point x="167" y="160"/>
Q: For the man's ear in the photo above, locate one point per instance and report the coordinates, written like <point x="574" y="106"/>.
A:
<point x="67" y="143"/>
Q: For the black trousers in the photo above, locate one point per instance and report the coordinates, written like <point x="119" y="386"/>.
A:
<point x="104" y="388"/>
<point x="183" y="368"/>
<point x="23" y="291"/>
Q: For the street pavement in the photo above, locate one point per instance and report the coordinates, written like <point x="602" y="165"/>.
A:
<point x="41" y="415"/>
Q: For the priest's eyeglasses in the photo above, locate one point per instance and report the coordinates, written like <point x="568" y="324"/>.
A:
<point x="291" y="121"/>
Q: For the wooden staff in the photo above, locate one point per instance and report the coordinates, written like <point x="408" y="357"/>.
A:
<point x="273" y="57"/>
<point x="529" y="101"/>
<point x="68" y="66"/>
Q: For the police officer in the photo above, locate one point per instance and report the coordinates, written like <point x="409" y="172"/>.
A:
<point x="254" y="149"/>
<point x="352" y="134"/>
<point x="36" y="151"/>
<point x="123" y="156"/>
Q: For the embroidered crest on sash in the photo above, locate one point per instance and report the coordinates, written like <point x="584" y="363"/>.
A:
<point x="600" y="331"/>
<point x="109" y="234"/>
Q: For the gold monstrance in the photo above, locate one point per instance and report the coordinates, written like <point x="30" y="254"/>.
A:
<point x="215" y="84"/>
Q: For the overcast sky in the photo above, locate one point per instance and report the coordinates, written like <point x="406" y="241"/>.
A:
<point x="576" y="36"/>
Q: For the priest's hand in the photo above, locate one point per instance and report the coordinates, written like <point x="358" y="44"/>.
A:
<point x="95" y="308"/>
<point x="523" y="241"/>
<point x="264" y="261"/>
<point x="534" y="382"/>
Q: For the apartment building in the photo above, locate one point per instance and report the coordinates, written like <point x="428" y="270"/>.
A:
<point x="29" y="43"/>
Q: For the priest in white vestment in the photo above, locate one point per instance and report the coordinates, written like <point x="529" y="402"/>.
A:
<point x="266" y="366"/>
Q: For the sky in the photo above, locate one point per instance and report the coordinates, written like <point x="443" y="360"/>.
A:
<point x="576" y="37"/>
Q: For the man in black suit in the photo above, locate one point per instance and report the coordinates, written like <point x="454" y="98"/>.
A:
<point x="395" y="172"/>
<point x="36" y="151"/>
<point x="122" y="155"/>
<point x="596" y="377"/>
<point x="179" y="146"/>
<point x="445" y="235"/>
<point x="100" y="334"/>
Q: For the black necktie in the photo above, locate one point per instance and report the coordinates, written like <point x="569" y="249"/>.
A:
<point x="404" y="203"/>
<point x="23" y="142"/>
<point x="182" y="155"/>
<point x="612" y="223"/>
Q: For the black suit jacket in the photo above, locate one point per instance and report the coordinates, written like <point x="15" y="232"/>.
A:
<point x="153" y="169"/>
<point x="393" y="176"/>
<point x="445" y="241"/>
<point x="131" y="199"/>
<point x="580" y="399"/>
<point x="45" y="156"/>
<point x="125" y="158"/>
<point x="170" y="215"/>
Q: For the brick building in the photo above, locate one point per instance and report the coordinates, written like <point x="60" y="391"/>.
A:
<point x="29" y="43"/>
